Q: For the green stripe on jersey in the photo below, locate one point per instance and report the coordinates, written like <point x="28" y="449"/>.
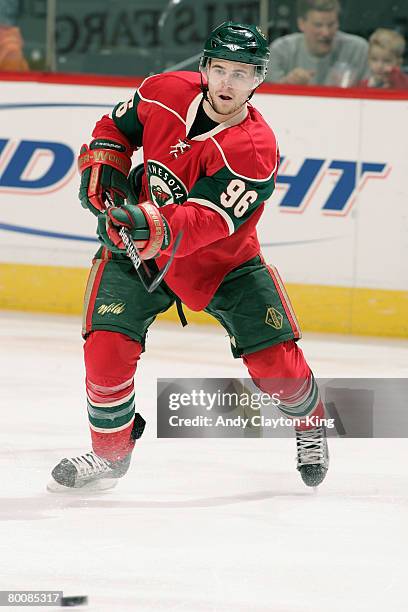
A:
<point x="232" y="195"/>
<point x="125" y="116"/>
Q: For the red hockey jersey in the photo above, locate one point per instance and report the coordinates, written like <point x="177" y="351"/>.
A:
<point x="212" y="186"/>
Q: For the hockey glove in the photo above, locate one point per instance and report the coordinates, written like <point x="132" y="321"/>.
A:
<point x="135" y="180"/>
<point x="104" y="166"/>
<point x="149" y="230"/>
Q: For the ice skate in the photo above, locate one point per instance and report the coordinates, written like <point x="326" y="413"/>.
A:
<point x="90" y="472"/>
<point x="312" y="455"/>
<point x="87" y="472"/>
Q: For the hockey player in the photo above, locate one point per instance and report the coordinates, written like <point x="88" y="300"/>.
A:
<point x="210" y="163"/>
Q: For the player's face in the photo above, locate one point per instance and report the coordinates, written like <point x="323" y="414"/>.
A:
<point x="229" y="85"/>
<point x="319" y="29"/>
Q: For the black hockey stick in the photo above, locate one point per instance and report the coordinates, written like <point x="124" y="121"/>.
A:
<point x="139" y="264"/>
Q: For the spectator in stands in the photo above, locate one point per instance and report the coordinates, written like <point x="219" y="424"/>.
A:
<point x="320" y="53"/>
<point x="11" y="42"/>
<point x="385" y="53"/>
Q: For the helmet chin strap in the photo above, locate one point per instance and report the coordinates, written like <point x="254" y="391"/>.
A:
<point x="204" y="89"/>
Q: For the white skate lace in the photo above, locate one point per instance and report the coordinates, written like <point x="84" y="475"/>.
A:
<point x="311" y="446"/>
<point x="90" y="465"/>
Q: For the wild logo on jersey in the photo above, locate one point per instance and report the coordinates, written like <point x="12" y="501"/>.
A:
<point x="161" y="197"/>
<point x="164" y="186"/>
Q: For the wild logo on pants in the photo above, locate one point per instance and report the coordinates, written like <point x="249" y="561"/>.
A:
<point x="274" y="318"/>
<point x="116" y="309"/>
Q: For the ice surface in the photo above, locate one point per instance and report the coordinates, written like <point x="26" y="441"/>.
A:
<point x="197" y="525"/>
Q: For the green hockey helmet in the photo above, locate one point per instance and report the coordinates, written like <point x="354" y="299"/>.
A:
<point x="237" y="42"/>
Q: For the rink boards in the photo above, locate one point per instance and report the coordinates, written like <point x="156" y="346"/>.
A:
<point x="336" y="226"/>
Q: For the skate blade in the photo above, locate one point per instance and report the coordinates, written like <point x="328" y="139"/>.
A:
<point x="103" y="484"/>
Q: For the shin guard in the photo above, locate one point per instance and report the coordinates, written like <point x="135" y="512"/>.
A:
<point x="282" y="369"/>
<point x="110" y="361"/>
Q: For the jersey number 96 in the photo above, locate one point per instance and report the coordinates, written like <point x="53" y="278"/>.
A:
<point x="237" y="198"/>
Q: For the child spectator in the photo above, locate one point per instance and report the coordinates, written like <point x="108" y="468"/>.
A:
<point x="386" y="49"/>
